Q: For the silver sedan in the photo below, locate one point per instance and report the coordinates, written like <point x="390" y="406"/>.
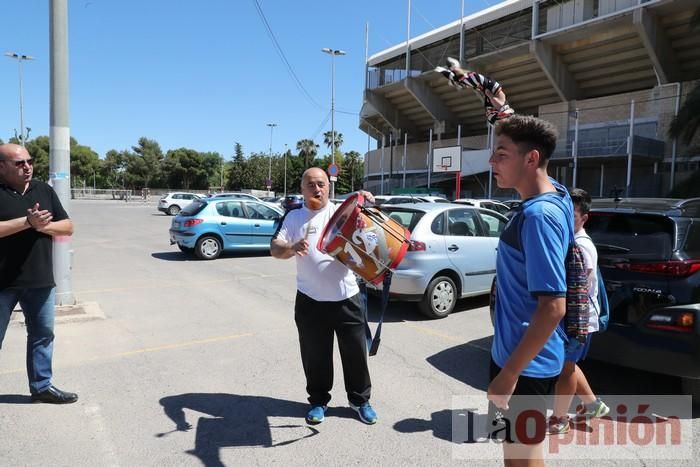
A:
<point x="452" y="254"/>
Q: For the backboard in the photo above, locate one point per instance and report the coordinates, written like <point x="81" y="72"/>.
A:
<point x="447" y="159"/>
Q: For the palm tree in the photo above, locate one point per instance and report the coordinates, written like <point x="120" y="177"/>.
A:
<point x="328" y="139"/>
<point x="309" y="149"/>
<point x="687" y="122"/>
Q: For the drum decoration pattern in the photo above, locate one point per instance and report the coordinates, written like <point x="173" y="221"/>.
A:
<point x="364" y="239"/>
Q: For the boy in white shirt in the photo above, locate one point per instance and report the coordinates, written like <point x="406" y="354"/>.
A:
<point x="572" y="380"/>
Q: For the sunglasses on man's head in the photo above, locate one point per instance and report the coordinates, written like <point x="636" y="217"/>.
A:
<point x="20" y="163"/>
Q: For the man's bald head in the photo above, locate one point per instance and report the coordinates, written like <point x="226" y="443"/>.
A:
<point x="12" y="151"/>
<point x="313" y="172"/>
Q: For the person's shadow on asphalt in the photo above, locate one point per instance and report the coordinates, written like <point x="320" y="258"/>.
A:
<point x="231" y="420"/>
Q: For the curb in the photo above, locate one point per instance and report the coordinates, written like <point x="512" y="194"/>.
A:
<point x="86" y="311"/>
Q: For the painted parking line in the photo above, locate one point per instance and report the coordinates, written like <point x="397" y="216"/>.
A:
<point x="160" y="348"/>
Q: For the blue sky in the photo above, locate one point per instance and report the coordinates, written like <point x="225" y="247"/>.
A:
<point x="204" y="74"/>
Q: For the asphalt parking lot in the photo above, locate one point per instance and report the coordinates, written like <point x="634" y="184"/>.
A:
<point x="196" y="363"/>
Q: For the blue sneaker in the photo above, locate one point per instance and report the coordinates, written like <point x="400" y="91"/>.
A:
<point x="366" y="412"/>
<point x="316" y="415"/>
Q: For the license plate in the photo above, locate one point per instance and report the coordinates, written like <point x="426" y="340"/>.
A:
<point x="176" y="224"/>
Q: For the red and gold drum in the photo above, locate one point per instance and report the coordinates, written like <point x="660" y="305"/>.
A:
<point x="364" y="239"/>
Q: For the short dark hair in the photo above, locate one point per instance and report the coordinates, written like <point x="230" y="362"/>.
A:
<point x="581" y="199"/>
<point x="530" y="133"/>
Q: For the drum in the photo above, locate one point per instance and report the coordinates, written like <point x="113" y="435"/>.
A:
<point x="364" y="239"/>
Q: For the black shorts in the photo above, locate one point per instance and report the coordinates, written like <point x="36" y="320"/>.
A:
<point x="525" y="421"/>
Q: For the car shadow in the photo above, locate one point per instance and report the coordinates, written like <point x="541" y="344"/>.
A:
<point x="468" y="362"/>
<point x="180" y="256"/>
<point x="173" y="256"/>
<point x="400" y="311"/>
<point x="233" y="420"/>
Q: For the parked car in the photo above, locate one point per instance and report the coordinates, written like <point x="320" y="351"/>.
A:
<point x="209" y="226"/>
<point x="277" y="200"/>
<point x="408" y="198"/>
<point x="485" y="203"/>
<point x="452" y="254"/>
<point x="247" y="196"/>
<point x="512" y="203"/>
<point x="649" y="256"/>
<point x="173" y="203"/>
<point x="292" y="202"/>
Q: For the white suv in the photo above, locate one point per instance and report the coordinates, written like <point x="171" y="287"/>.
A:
<point x="485" y="203"/>
<point x="172" y="203"/>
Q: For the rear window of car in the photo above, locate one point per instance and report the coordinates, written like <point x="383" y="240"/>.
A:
<point x="406" y="217"/>
<point x="632" y="236"/>
<point x="692" y="241"/>
<point x="193" y="208"/>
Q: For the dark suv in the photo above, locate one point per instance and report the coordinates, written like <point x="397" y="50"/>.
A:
<point x="649" y="255"/>
<point x="292" y="202"/>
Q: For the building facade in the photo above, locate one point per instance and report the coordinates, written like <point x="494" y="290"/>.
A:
<point x="609" y="74"/>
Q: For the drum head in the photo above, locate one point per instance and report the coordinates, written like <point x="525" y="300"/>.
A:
<point x="345" y="212"/>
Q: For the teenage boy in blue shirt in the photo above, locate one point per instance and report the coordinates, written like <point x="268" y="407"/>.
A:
<point x="528" y="347"/>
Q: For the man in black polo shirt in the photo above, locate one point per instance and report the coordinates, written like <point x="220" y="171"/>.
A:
<point x="30" y="216"/>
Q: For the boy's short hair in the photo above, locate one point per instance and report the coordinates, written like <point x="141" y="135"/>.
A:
<point x="581" y="200"/>
<point x="530" y="133"/>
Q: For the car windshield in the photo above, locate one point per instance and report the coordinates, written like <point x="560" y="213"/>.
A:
<point x="193" y="208"/>
<point x="406" y="217"/>
<point x="631" y="236"/>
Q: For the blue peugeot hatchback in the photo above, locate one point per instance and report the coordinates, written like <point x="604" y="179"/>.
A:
<point x="207" y="227"/>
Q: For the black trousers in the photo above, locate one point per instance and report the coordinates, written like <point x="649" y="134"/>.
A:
<point x="317" y="322"/>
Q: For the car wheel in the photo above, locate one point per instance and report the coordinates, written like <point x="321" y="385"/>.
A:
<point x="185" y="249"/>
<point x="440" y="298"/>
<point x="174" y="210"/>
<point x="208" y="248"/>
<point x="691" y="387"/>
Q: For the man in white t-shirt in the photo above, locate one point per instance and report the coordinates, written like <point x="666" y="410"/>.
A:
<point x="328" y="302"/>
<point x="572" y="380"/>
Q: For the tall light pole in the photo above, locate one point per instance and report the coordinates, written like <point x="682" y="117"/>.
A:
<point x="269" y="167"/>
<point x="332" y="53"/>
<point x="19" y="58"/>
<point x="285" y="170"/>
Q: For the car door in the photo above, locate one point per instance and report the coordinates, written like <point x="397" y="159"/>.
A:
<point x="491" y="228"/>
<point x="470" y="250"/>
<point x="264" y="222"/>
<point x="234" y="224"/>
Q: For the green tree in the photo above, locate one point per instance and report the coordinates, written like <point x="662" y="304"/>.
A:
<point x="213" y="165"/>
<point x="84" y="164"/>
<point x="308" y="150"/>
<point x="147" y="162"/>
<point x="238" y="174"/>
<point x="328" y="140"/>
<point x="114" y="168"/>
<point x="38" y="148"/>
<point x="353" y="168"/>
<point x="185" y="169"/>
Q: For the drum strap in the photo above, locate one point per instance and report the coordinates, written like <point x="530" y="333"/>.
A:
<point x="373" y="343"/>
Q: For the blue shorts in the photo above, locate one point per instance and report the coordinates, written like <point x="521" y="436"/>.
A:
<point x="580" y="352"/>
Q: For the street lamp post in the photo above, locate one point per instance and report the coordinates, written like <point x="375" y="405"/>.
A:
<point x="285" y="170"/>
<point x="332" y="53"/>
<point x="19" y="58"/>
<point x="269" y="167"/>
